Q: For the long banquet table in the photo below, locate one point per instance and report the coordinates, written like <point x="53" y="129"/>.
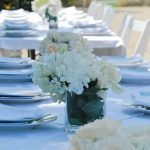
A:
<point x="104" y="45"/>
<point x="53" y="136"/>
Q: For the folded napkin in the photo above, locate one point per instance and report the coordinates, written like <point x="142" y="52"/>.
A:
<point x="16" y="72"/>
<point x="98" y="31"/>
<point x="18" y="32"/>
<point x="10" y="113"/>
<point x="14" y="13"/>
<point x="14" y="60"/>
<point x="15" y="19"/>
<point x="80" y="18"/>
<point x="136" y="75"/>
<point x="17" y="89"/>
<point x="91" y="24"/>
<point x="15" y="63"/>
<point x="122" y="61"/>
<point x="17" y="25"/>
<point x="15" y="79"/>
<point x="18" y="11"/>
<point x="142" y="98"/>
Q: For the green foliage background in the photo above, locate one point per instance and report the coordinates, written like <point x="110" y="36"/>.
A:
<point x="66" y="3"/>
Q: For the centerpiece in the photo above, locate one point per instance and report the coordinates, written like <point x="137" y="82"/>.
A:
<point x="70" y="72"/>
<point x="48" y="9"/>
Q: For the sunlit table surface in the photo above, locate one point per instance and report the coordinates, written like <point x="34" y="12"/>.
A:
<point x="53" y="136"/>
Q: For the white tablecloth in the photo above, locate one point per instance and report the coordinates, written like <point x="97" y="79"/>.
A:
<point x="52" y="136"/>
<point x="110" y="44"/>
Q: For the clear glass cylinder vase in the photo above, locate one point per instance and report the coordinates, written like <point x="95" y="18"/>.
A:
<point x="53" y="24"/>
<point x="84" y="108"/>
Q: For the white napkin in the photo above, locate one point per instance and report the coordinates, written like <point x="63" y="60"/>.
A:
<point x="14" y="60"/>
<point x="98" y="31"/>
<point x="70" y="11"/>
<point x="18" y="11"/>
<point x="10" y="113"/>
<point x="125" y="61"/>
<point x="25" y="89"/>
<point x="15" y="72"/>
<point x="137" y="75"/>
<point x="17" y="24"/>
<point x="91" y="24"/>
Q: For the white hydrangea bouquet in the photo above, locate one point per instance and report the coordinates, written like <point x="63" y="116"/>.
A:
<point x="47" y="8"/>
<point x="110" y="135"/>
<point x="67" y="65"/>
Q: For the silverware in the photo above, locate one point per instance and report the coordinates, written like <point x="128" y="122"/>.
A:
<point x="46" y="117"/>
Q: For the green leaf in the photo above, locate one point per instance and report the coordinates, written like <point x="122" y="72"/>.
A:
<point x="94" y="109"/>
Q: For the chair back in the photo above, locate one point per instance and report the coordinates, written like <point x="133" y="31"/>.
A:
<point x="144" y="28"/>
<point x="122" y="25"/>
<point x="133" y="25"/>
<point x="108" y="15"/>
<point x="125" y="28"/>
<point x="96" y="9"/>
<point x="91" y="7"/>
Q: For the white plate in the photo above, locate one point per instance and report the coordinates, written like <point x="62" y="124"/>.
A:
<point x="137" y="75"/>
<point x="92" y="24"/>
<point x="44" y="120"/>
<point x="14" y="60"/>
<point x="23" y="99"/>
<point x="16" y="72"/>
<point x="18" y="33"/>
<point x="17" y="11"/>
<point x="20" y="28"/>
<point x="17" y="89"/>
<point x="25" y="120"/>
<point x="137" y="108"/>
<point x="15" y="63"/>
<point x="15" y="79"/>
<point x="141" y="98"/>
<point x="126" y="62"/>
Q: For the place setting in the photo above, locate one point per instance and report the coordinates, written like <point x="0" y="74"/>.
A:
<point x="139" y="102"/>
<point x="16" y="24"/>
<point x="134" y="70"/>
<point x="11" y="116"/>
<point x="15" y="69"/>
<point x="15" y="63"/>
<point x="25" y="89"/>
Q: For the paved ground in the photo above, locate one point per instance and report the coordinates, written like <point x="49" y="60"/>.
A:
<point x="141" y="13"/>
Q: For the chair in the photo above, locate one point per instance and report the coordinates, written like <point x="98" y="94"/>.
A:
<point x="143" y="27"/>
<point x="125" y="28"/>
<point x="123" y="23"/>
<point x="96" y="9"/>
<point x="108" y="15"/>
<point x="91" y="7"/>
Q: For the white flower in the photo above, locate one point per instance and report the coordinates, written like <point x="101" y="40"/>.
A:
<point x="109" y="76"/>
<point x="70" y="40"/>
<point x="40" y="6"/>
<point x="68" y="64"/>
<point x="110" y="135"/>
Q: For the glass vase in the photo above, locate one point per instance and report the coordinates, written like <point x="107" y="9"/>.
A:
<point x="84" y="108"/>
<point x="53" y="24"/>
